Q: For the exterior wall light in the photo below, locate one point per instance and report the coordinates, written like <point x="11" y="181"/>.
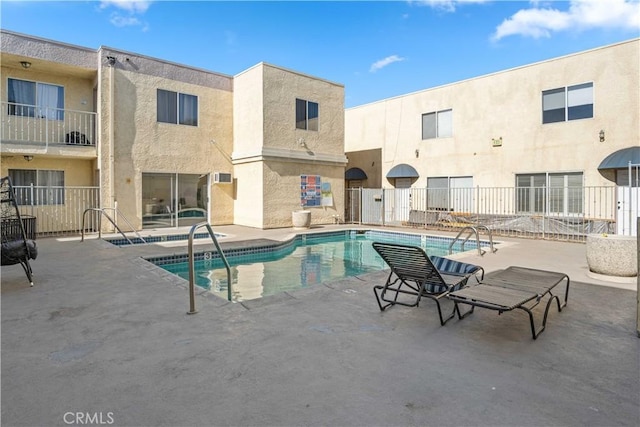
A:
<point x="601" y="135"/>
<point x="25" y="64"/>
<point x="28" y="158"/>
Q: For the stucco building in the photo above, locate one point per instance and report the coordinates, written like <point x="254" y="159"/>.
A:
<point x="169" y="145"/>
<point x="165" y="143"/>
<point x="542" y="129"/>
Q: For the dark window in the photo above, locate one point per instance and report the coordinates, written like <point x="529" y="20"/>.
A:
<point x="307" y="114"/>
<point x="571" y="103"/>
<point x="177" y="108"/>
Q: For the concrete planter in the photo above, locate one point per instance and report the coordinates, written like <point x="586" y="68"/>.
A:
<point x="612" y="255"/>
<point x="301" y="219"/>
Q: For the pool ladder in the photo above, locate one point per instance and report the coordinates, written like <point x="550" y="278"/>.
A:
<point x="473" y="230"/>
<point x="192" y="269"/>
<point x="112" y="221"/>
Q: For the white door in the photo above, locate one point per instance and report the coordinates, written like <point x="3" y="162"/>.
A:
<point x="628" y="210"/>
<point x="398" y="201"/>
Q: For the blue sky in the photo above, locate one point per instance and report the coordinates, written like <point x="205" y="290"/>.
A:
<point x="377" y="49"/>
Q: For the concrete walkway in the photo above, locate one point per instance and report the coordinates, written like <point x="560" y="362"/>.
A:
<point x="104" y="338"/>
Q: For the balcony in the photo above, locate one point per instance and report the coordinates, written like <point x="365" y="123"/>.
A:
<point x="55" y="131"/>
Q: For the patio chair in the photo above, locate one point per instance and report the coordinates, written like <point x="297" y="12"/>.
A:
<point x="516" y="288"/>
<point x="414" y="275"/>
<point x="16" y="247"/>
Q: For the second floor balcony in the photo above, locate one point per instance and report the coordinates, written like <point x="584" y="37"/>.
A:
<point x="32" y="128"/>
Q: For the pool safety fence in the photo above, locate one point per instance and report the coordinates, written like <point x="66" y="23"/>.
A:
<point x="58" y="210"/>
<point x="555" y="213"/>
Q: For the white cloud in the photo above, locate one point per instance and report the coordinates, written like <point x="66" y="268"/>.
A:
<point x="444" y="5"/>
<point x="539" y="22"/>
<point x="124" y="21"/>
<point x="131" y="10"/>
<point x="384" y="62"/>
<point x="132" y="6"/>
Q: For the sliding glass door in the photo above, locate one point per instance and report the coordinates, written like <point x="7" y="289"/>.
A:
<point x="173" y="200"/>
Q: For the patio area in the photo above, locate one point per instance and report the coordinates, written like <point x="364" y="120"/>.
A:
<point x="104" y="335"/>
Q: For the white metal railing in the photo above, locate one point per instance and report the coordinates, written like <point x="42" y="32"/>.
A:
<point x="58" y="210"/>
<point x="44" y="125"/>
<point x="559" y="213"/>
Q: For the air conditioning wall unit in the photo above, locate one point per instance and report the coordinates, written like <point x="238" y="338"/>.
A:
<point x="222" y="178"/>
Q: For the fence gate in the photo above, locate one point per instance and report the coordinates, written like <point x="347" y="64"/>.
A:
<point x="372" y="205"/>
<point x="629" y="203"/>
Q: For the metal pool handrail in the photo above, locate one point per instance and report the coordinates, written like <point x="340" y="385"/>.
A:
<point x="473" y="230"/>
<point x="117" y="212"/>
<point x="192" y="273"/>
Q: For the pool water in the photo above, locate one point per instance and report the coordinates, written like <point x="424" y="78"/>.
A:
<point x="160" y="239"/>
<point x="309" y="260"/>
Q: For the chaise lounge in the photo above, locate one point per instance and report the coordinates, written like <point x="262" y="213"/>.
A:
<point x="415" y="275"/>
<point x="515" y="288"/>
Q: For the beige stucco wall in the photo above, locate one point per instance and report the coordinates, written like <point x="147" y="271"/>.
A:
<point x="77" y="173"/>
<point x="265" y="95"/>
<point x="509" y="105"/>
<point x="369" y="162"/>
<point x="140" y="144"/>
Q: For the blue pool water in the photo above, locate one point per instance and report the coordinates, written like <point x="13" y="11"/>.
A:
<point x="160" y="238"/>
<point x="305" y="261"/>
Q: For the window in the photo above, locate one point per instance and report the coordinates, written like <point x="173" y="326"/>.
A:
<point x="177" y="108"/>
<point x="48" y="186"/>
<point x="437" y="125"/>
<point x="553" y="193"/>
<point x="33" y="99"/>
<point x="571" y="103"/>
<point x="450" y="193"/>
<point x="306" y="115"/>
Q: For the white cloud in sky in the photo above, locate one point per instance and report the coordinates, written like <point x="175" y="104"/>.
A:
<point x="539" y="21"/>
<point x="132" y="6"/>
<point x="131" y="9"/>
<point x="384" y="62"/>
<point x="444" y="5"/>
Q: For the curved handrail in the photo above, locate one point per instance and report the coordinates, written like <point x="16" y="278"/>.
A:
<point x="473" y="230"/>
<point x="192" y="273"/>
<point x="102" y="211"/>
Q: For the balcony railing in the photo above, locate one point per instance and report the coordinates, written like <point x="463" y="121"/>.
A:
<point x="23" y="123"/>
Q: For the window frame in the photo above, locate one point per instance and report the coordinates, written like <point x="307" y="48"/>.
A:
<point x="566" y="200"/>
<point x="442" y="196"/>
<point x="45" y="193"/>
<point x="175" y="114"/>
<point x="36" y="109"/>
<point x="569" y="112"/>
<point x="438" y="125"/>
<point x="304" y="121"/>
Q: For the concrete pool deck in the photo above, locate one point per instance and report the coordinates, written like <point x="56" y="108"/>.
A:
<point x="103" y="336"/>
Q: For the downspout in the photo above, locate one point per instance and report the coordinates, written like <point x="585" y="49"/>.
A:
<point x="112" y="191"/>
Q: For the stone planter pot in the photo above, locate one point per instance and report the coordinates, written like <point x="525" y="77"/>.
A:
<point x="612" y="255"/>
<point x="301" y="219"/>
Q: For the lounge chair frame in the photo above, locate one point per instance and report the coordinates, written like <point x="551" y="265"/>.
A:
<point x="516" y="288"/>
<point x="414" y="274"/>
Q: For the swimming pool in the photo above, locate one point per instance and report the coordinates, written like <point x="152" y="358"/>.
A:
<point x="160" y="239"/>
<point x="306" y="260"/>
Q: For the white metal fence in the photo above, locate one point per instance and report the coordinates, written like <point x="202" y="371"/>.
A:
<point x="562" y="213"/>
<point x="30" y="123"/>
<point x="58" y="210"/>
